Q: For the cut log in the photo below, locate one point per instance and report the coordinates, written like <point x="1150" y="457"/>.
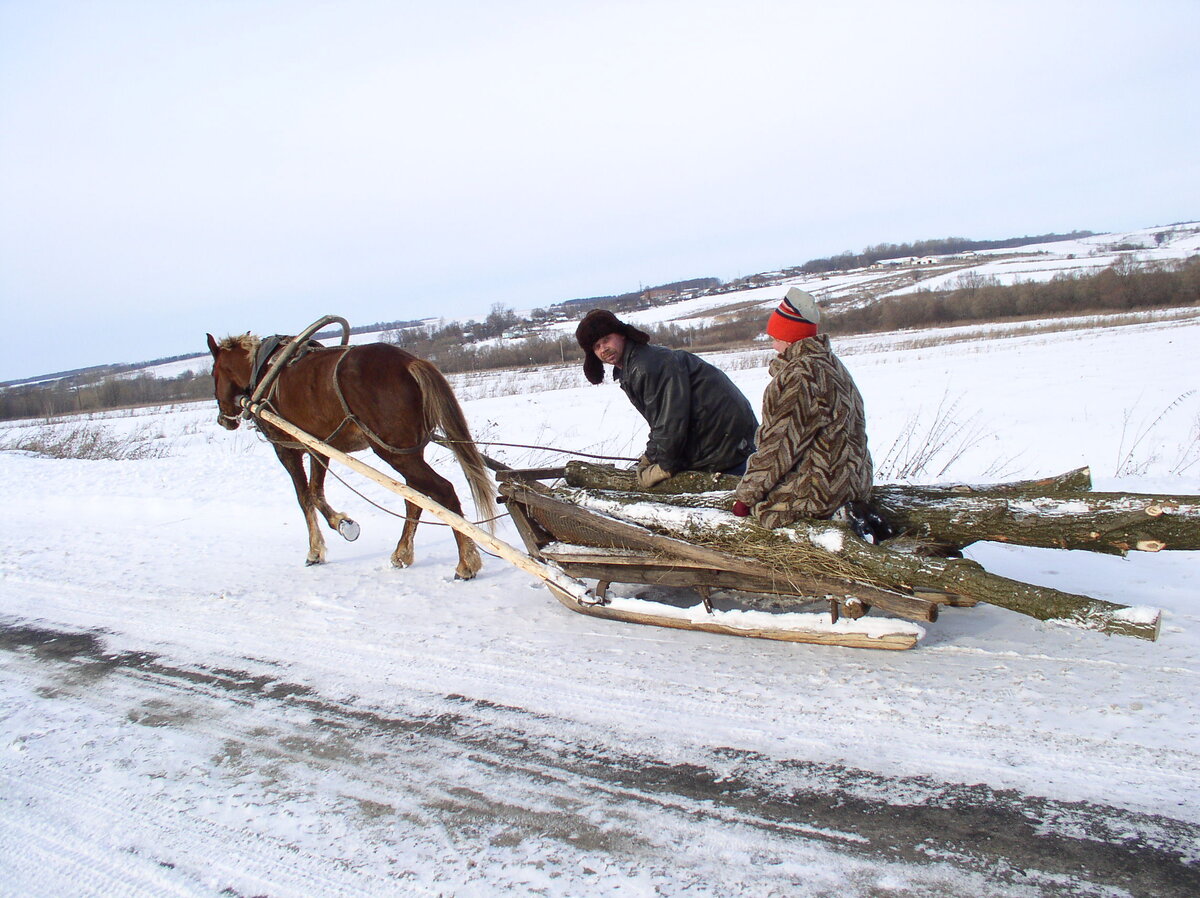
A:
<point x="970" y="580"/>
<point x="1053" y="513"/>
<point x="610" y="477"/>
<point x="1111" y="523"/>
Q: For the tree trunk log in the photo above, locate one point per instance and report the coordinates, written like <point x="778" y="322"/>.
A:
<point x="1112" y="523"/>
<point x="970" y="579"/>
<point x="1053" y="513"/>
<point x="610" y="477"/>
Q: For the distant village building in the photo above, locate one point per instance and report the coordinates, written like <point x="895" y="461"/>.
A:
<point x="770" y="279"/>
<point x="659" y="295"/>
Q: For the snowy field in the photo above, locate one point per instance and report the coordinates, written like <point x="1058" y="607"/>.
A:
<point x="188" y="710"/>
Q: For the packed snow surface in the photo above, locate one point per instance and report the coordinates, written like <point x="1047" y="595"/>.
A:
<point x="188" y="710"/>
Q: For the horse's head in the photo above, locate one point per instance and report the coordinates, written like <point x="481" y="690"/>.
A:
<point x="233" y="359"/>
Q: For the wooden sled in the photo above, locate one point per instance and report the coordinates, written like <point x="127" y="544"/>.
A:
<point x="589" y="545"/>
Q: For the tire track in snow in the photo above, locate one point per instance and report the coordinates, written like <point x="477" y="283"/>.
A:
<point x="447" y="776"/>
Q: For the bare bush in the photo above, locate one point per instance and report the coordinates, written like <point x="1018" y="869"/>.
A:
<point x="925" y="444"/>
<point x="1189" y="451"/>
<point x="1134" y="455"/>
<point x="85" y="441"/>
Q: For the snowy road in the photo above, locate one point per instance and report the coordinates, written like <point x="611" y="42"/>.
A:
<point x="434" y="781"/>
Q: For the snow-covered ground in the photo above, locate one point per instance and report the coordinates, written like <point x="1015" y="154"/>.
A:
<point x="185" y="709"/>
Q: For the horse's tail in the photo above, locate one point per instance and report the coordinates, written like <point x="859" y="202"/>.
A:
<point x="442" y="412"/>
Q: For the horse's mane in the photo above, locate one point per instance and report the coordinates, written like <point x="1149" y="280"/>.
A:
<point x="246" y="341"/>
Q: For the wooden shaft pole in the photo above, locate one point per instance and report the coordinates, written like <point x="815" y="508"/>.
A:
<point x="552" y="576"/>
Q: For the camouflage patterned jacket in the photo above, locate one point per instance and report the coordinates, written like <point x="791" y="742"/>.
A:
<point x="812" y="453"/>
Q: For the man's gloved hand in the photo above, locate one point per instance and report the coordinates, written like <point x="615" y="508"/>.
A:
<point x="652" y="475"/>
<point x="741" y="509"/>
<point x="642" y="463"/>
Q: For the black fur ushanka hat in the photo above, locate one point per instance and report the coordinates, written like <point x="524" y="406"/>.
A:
<point x="595" y="325"/>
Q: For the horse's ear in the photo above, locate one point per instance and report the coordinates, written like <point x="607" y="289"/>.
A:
<point x="212" y="345"/>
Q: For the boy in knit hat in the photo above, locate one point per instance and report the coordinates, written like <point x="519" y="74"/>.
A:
<point x="699" y="420"/>
<point x="812" y="456"/>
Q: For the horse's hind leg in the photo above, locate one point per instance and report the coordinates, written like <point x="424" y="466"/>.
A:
<point x="293" y="461"/>
<point x="403" y="556"/>
<point x="424" y="479"/>
<point x="316" y="490"/>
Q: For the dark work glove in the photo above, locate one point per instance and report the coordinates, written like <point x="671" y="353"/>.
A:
<point x="652" y="476"/>
<point x="868" y="523"/>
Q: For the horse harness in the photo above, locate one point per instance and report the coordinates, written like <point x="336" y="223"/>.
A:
<point x="267" y="348"/>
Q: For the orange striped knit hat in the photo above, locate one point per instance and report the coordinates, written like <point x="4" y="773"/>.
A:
<point x="796" y="318"/>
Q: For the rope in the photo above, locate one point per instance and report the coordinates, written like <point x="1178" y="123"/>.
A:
<point x="446" y="442"/>
<point x="352" y="418"/>
<point x="325" y="464"/>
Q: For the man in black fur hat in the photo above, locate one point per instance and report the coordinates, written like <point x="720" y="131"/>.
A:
<point x="699" y="421"/>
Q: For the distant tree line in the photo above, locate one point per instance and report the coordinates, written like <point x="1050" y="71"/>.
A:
<point x="456" y="346"/>
<point x="97" y="372"/>
<point x="335" y="332"/>
<point x="627" y="302"/>
<point x="1124" y="286"/>
<point x="936" y="247"/>
<point x="88" y="393"/>
<point x="495" y="342"/>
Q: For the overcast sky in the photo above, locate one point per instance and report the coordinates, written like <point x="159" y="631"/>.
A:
<point x="173" y="167"/>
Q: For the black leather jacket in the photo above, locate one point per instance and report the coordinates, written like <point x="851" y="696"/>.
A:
<point x="699" y="421"/>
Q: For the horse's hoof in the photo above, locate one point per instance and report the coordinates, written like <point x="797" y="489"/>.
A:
<point x="308" y="562"/>
<point x="349" y="530"/>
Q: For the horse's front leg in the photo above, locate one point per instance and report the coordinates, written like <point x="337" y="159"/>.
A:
<point x="316" y="491"/>
<point x="293" y="462"/>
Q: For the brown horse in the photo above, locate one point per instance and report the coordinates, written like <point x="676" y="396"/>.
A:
<point x="353" y="397"/>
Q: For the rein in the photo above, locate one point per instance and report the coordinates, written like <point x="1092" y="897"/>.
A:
<point x="442" y="441"/>
<point x="366" y="431"/>
<point x="325" y="464"/>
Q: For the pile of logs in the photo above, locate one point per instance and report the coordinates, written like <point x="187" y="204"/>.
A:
<point x="935" y="523"/>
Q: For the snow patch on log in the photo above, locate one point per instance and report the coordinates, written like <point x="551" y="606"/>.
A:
<point x="1143" y="621"/>
<point x="651" y="514"/>
<point x="1137" y="614"/>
